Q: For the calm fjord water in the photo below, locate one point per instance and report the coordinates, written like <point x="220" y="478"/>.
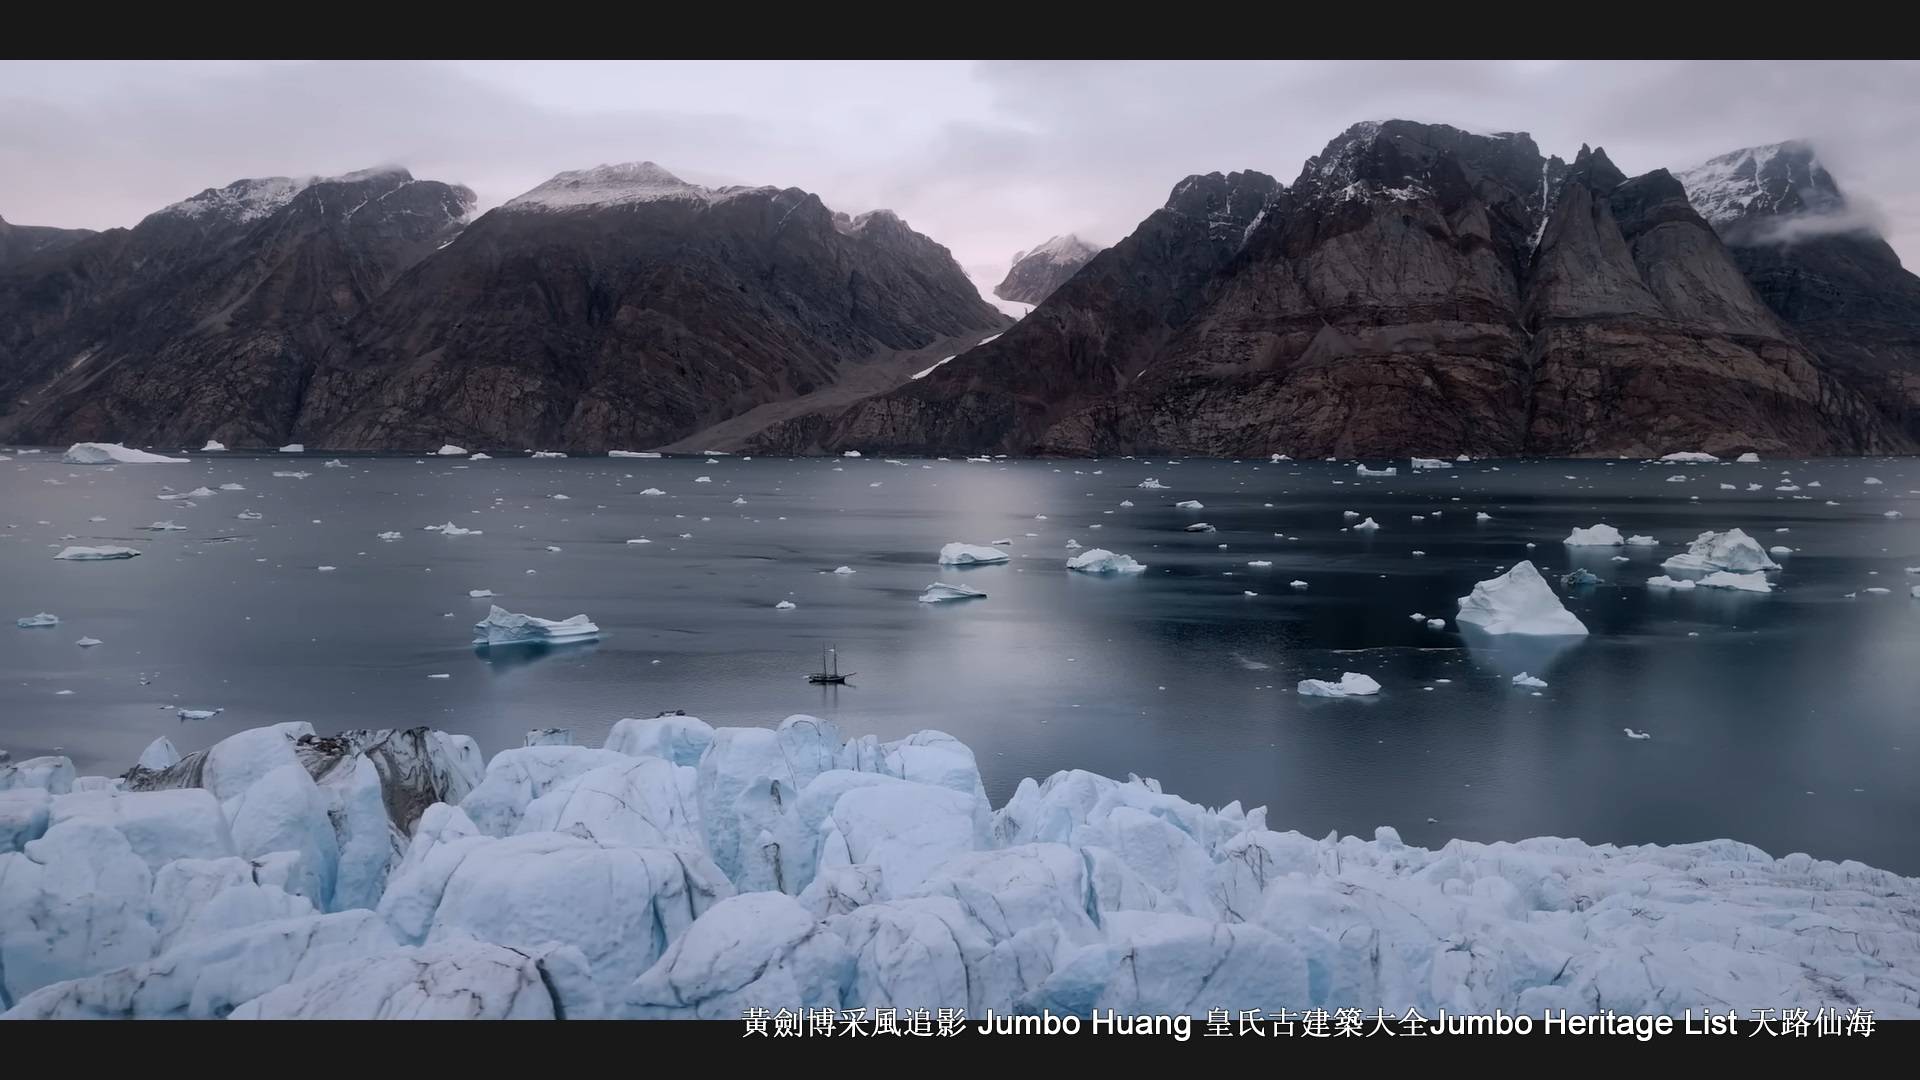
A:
<point x="1790" y="720"/>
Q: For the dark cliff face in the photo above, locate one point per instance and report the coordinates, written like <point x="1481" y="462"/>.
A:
<point x="21" y="242"/>
<point x="635" y="321"/>
<point x="1418" y="289"/>
<point x="615" y="307"/>
<point x="1821" y="268"/>
<point x="208" y="319"/>
<point x="1035" y="274"/>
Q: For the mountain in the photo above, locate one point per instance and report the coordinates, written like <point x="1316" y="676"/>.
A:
<point x="1417" y="289"/>
<point x="18" y="242"/>
<point x="209" y="318"/>
<point x="1035" y="274"/>
<point x="621" y="306"/>
<point x="1817" y="262"/>
<point x="617" y="306"/>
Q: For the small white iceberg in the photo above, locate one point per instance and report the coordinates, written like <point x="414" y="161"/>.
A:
<point x="1368" y="525"/>
<point x="1518" y="602"/>
<point x="35" y="621"/>
<point x="88" y="642"/>
<point x="844" y="570"/>
<point x="1727" y="579"/>
<point x="481" y="594"/>
<point x="450" y="450"/>
<point x="653" y="491"/>
<point x="1200" y="527"/>
<point x="474" y="457"/>
<point x="1594" y="536"/>
<point x="1693" y="457"/>
<point x="164" y="526"/>
<point x="1665" y="582"/>
<point x="632" y="453"/>
<point x="233" y="487"/>
<point x="87" y="554"/>
<point x="450" y="529"/>
<point x="1150" y="484"/>
<point x="294" y="475"/>
<point x="1642" y="541"/>
<point x="389" y="536"/>
<point x="1431" y="463"/>
<point x="1102" y="561"/>
<point x="1190" y="504"/>
<point x="1260" y="564"/>
<point x="106" y="453"/>
<point x="1731" y="550"/>
<point x="213" y="447"/>
<point x="1632" y="734"/>
<point x="503" y="627"/>
<point x="547" y="454"/>
<point x="1351" y="684"/>
<point x="940" y="592"/>
<point x="177" y="496"/>
<point x="850" y="453"/>
<point x="958" y="554"/>
<point x="1482" y="515"/>
<point x="1748" y="458"/>
<point x="294" y="448"/>
<point x="785" y="605"/>
<point x="1296" y="584"/>
<point x="1524" y="679"/>
<point x="198" y="714"/>
<point x="1388" y="471"/>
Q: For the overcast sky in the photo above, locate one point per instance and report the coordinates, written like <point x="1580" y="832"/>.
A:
<point x="985" y="157"/>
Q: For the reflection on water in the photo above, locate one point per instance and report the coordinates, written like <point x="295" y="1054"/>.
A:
<point x="1785" y="719"/>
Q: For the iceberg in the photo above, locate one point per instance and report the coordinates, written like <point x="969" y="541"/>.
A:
<point x="89" y="642"/>
<point x="632" y="454"/>
<point x="1388" y="471"/>
<point x="1524" y="679"/>
<point x="653" y="491"/>
<point x="1518" y="602"/>
<point x="1642" y="541"/>
<point x="1582" y="576"/>
<point x="1190" y="504"/>
<point x="450" y="529"/>
<point x="389" y="536"/>
<point x="1632" y="734"/>
<point x="1727" y="579"/>
<point x="1694" y="456"/>
<point x="1594" y="536"/>
<point x="294" y="448"/>
<point x="164" y="526"/>
<point x="940" y="591"/>
<point x="87" y="554"/>
<point x="1482" y="515"/>
<point x="503" y="627"/>
<point x="546" y="454"/>
<point x="1150" y="484"/>
<point x="32" y="621"/>
<point x="1731" y="550"/>
<point x="294" y="475"/>
<point x="958" y="554"/>
<point x="843" y="571"/>
<point x="785" y="605"/>
<point x="213" y="447"/>
<point x="98" y="453"/>
<point x="1351" y="684"/>
<point x="1748" y="458"/>
<point x="1665" y="582"/>
<point x="1200" y="527"/>
<point x="480" y="457"/>
<point x="850" y="453"/>
<point x="450" y="450"/>
<point x="1368" y="525"/>
<point x="1431" y="463"/>
<point x="1102" y="561"/>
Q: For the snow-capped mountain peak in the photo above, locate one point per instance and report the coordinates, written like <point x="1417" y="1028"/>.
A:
<point x="1060" y="250"/>
<point x="241" y="201"/>
<point x="613" y="185"/>
<point x="1777" y="179"/>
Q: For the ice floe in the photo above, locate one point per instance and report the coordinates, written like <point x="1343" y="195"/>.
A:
<point x="1524" y="679"/>
<point x="1594" y="536"/>
<point x="1351" y="684"/>
<point x="33" y="621"/>
<point x="88" y="554"/>
<point x="1731" y="550"/>
<point x="1102" y="561"/>
<point x="1518" y="602"/>
<point x="95" y="453"/>
<point x="1665" y="582"/>
<point x="213" y="447"/>
<point x="940" y="592"/>
<point x="1693" y="456"/>
<point x="959" y="554"/>
<point x="1727" y="579"/>
<point x="503" y="627"/>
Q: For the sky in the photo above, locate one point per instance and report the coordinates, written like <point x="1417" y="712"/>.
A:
<point x="987" y="157"/>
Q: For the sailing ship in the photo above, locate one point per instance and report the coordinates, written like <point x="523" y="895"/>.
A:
<point x="828" y="674"/>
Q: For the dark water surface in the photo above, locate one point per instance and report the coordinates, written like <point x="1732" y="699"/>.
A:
<point x="1790" y="720"/>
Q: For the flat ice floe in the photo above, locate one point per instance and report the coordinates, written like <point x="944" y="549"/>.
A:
<point x="1694" y="457"/>
<point x="1362" y="470"/>
<point x="1524" y="679"/>
<point x="294" y="448"/>
<point x="1431" y="463"/>
<point x="1150" y="484"/>
<point x="1665" y="582"/>
<point x="1731" y="550"/>
<point x="1727" y="579"/>
<point x="1351" y="684"/>
<point x="1189" y="504"/>
<point x="959" y="554"/>
<point x="1102" y="561"/>
<point x="940" y="592"/>
<point x="632" y="454"/>
<point x="450" y="450"/>
<point x="684" y="871"/>
<point x="1518" y="602"/>
<point x="1594" y="536"/>
<point x="96" y="453"/>
<point x="503" y="627"/>
<point x="35" y="621"/>
<point x="88" y="554"/>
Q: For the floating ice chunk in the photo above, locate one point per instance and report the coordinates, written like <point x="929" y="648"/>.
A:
<point x="1748" y="458"/>
<point x="653" y="491"/>
<point x="1278" y="458"/>
<point x="1524" y="679"/>
<point x="1664" y="582"/>
<point x="1260" y="564"/>
<point x="294" y="475"/>
<point x="503" y="627"/>
<point x="1692" y="457"/>
<point x="1351" y="684"/>
<point x="164" y="526"/>
<point x="326" y="569"/>
<point x="1871" y="480"/>
<point x="95" y="453"/>
<point x="1595" y="536"/>
<point x="1102" y="561"/>
<point x="1200" y="527"/>
<point x="481" y="594"/>
<point x="1431" y="463"/>
<point x="1126" y="502"/>
<point x="1150" y="484"/>
<point x="1642" y="541"/>
<point x="1297" y="584"/>
<point x="1876" y="590"/>
<point x="632" y="453"/>
<point x="640" y="540"/>
<point x="1190" y="504"/>
<point x="739" y="500"/>
<point x="450" y="529"/>
<point x="546" y="454"/>
<point x="1632" y="734"/>
<point x="1727" y="579"/>
<point x="1891" y="514"/>
<point x="1731" y="550"/>
<point x="88" y="642"/>
<point x="851" y="453"/>
<point x="785" y="605"/>
<point x="198" y="714"/>
<point x="389" y="536"/>
<point x="958" y="554"/>
<point x="1581" y="576"/>
<point x="294" y="448"/>
<point x="1482" y="515"/>
<point x="213" y="447"/>
<point x="1436" y="624"/>
<point x="940" y="591"/>
<point x="480" y="457"/>
<point x="1518" y="602"/>
<point x="31" y="621"/>
<point x="1362" y="470"/>
<point x="703" y="479"/>
<point x="1368" y="525"/>
<point x="450" y="450"/>
<point x="84" y="554"/>
<point x="844" y="570"/>
<point x="1780" y="549"/>
<point x="196" y="493"/>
